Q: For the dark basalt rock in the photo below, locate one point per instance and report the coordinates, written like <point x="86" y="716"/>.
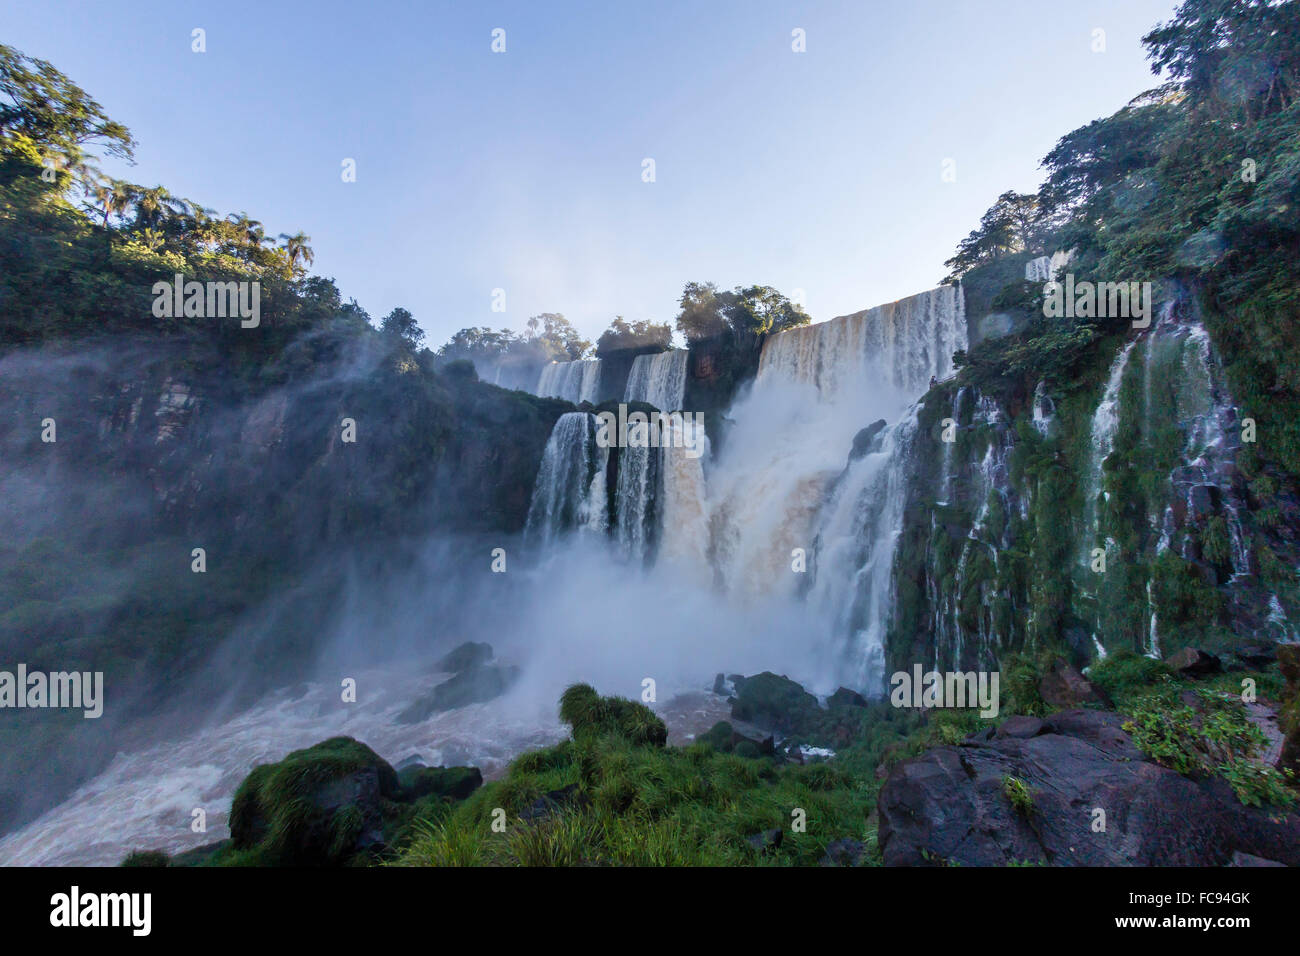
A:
<point x="950" y="805"/>
<point x="455" y="783"/>
<point x="867" y="440"/>
<point x="473" y="686"/>
<point x="846" y="698"/>
<point x="726" y="739"/>
<point x="318" y="806"/>
<point x="1063" y="687"/>
<point x="774" y="701"/>
<point x="464" y="657"/>
<point x="766" y="842"/>
<point x="1194" y="662"/>
<point x="843" y="852"/>
<point x="554" y="801"/>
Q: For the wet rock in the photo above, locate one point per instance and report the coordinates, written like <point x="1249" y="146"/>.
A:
<point x="554" y="801"/>
<point x="726" y="739"/>
<point x="720" y="686"/>
<point x="1256" y="656"/>
<point x="1063" y="687"/>
<point x="473" y="686"/>
<point x="774" y="701"/>
<point x="846" y="698"/>
<point x="466" y="656"/>
<point x="843" y="852"/>
<point x="1021" y="728"/>
<point x="950" y="804"/>
<point x="766" y="842"/>
<point x="1247" y="859"/>
<point x="1194" y="662"/>
<point x="454" y="783"/>
<point x="867" y="440"/>
<point x="319" y="806"/>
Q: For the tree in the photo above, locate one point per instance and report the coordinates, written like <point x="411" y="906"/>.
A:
<point x="1231" y="56"/>
<point x="701" y="315"/>
<point x="622" y="335"/>
<point x="761" y="310"/>
<point x="40" y="103"/>
<point x="1009" y="226"/>
<point x="297" y="251"/>
<point x="557" y="337"/>
<point x="402" y="324"/>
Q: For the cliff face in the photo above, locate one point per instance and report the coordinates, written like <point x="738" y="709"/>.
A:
<point x="1120" y="508"/>
<point x="120" y="459"/>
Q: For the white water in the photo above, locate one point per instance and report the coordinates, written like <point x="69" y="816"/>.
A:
<point x="782" y="483"/>
<point x="685" y="519"/>
<point x="144" y="800"/>
<point x="1044" y="268"/>
<point x="570" y="488"/>
<point x="1104" y="422"/>
<point x="659" y="379"/>
<point x="573" y="381"/>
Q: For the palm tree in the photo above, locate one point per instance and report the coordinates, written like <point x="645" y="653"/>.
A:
<point x="297" y="251"/>
<point x="115" y="197"/>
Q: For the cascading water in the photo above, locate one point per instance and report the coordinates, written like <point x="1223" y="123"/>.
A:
<point x="575" y="382"/>
<point x="782" y="481"/>
<point x="570" y="488"/>
<point x="1044" y="268"/>
<point x="858" y="529"/>
<point x="908" y="342"/>
<point x="1102" y="438"/>
<point x="658" y="379"/>
<point x="685" y="520"/>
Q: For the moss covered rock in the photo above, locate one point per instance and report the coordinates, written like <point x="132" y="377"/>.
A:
<point x="317" y="807"/>
<point x="591" y="715"/>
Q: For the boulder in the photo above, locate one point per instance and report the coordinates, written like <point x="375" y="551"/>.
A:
<point x="776" y="702"/>
<point x="317" y="806"/>
<point x="766" y="842"/>
<point x="475" y="685"/>
<point x="1021" y="728"/>
<point x="867" y="440"/>
<point x="463" y="658"/>
<point x="1246" y="859"/>
<point x="1064" y="688"/>
<point x="846" y="698"/>
<point x="950" y="804"/>
<point x="1193" y="662"/>
<point x="843" y="852"/>
<point x="554" y="801"/>
<point x="454" y="783"/>
<point x="726" y="739"/>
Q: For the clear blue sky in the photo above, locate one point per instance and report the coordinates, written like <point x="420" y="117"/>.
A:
<point x="817" y="171"/>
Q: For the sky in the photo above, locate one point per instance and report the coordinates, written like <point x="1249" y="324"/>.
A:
<point x="818" y="172"/>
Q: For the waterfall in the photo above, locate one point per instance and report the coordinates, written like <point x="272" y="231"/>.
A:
<point x="857" y="535"/>
<point x="634" y="513"/>
<point x="1044" y="268"/>
<point x="1104" y="422"/>
<point x="1044" y="410"/>
<point x="658" y="379"/>
<point x="906" y="343"/>
<point x="945" y="485"/>
<point x="575" y="382"/>
<point x="570" y="489"/>
<point x="685" y="522"/>
<point x="782" y="486"/>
